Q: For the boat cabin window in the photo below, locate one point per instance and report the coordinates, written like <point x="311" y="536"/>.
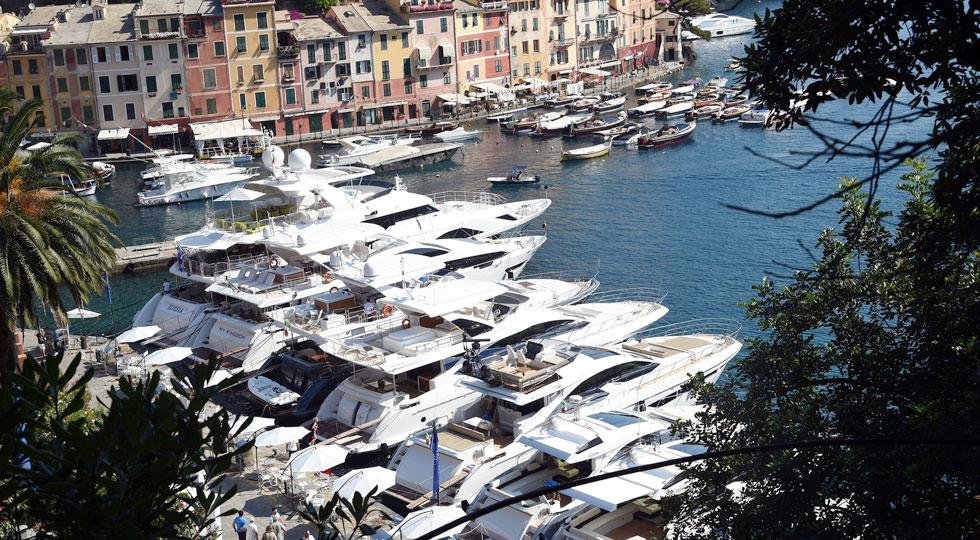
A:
<point x="462" y="232"/>
<point x="530" y="332"/>
<point x="507" y="217"/>
<point x="472" y="328"/>
<point x="596" y="381"/>
<point x="527" y="408"/>
<point x="482" y="260"/>
<point x="427" y="251"/>
<point x="412" y="213"/>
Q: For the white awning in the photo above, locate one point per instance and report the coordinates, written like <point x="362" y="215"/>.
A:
<point x="424" y="52"/>
<point x="502" y="93"/>
<point x="596" y="72"/>
<point x="113" y="134"/>
<point x="609" y="493"/>
<point x="165" y="129"/>
<point x="614" y="63"/>
<point x="447" y="49"/>
<point x="534" y="82"/>
<point x="454" y="98"/>
<point x="225" y="129"/>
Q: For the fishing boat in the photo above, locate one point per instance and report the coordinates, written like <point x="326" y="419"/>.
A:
<point x="628" y="127"/>
<point x="438" y="127"/>
<point x="677" y="109"/>
<point x="706" y="99"/>
<point x="653" y="88"/>
<point x="104" y="170"/>
<point x="647" y="109"/>
<point x="557" y="126"/>
<point x="515" y="178"/>
<point x="733" y="65"/>
<point x="583" y="105"/>
<point x="500" y="117"/>
<point x="631" y="140"/>
<point x="588" y="152"/>
<point x="623" y="134"/>
<point x="706" y="111"/>
<point x="609" y="105"/>
<point x="732" y="113"/>
<point x="82" y="189"/>
<point x="561" y="101"/>
<point x="590" y="127"/>
<point x="754" y="118"/>
<point x="679" y="98"/>
<point x="270" y="392"/>
<point x="717" y="82"/>
<point x="737" y="100"/>
<point x="457" y="135"/>
<point x="668" y="135"/>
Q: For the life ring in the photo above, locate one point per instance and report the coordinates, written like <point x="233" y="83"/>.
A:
<point x="388" y="310"/>
<point x="406" y="323"/>
<point x="273" y="263"/>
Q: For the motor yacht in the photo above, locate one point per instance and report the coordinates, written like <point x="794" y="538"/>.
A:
<point x="354" y="148"/>
<point x="723" y="24"/>
<point x="188" y="181"/>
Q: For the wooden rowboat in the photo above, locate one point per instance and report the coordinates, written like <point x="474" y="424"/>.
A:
<point x="588" y="152"/>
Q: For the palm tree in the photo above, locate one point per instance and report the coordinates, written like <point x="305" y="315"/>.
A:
<point x="48" y="238"/>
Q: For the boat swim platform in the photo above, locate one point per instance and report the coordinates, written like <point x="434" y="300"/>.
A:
<point x="145" y="256"/>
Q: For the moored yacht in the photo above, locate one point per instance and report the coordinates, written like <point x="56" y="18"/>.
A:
<point x="723" y="24"/>
<point x="354" y="148"/>
<point x="187" y="181"/>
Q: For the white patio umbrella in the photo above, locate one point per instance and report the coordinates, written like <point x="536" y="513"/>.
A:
<point x="317" y="458"/>
<point x="257" y="423"/>
<point x="217" y="377"/>
<point x="137" y="333"/>
<point x="364" y="480"/>
<point x="165" y="356"/>
<point x="418" y="523"/>
<point x="281" y="435"/>
<point x="82" y="313"/>
<point x="239" y="194"/>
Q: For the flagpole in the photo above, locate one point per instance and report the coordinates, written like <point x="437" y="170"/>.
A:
<point x="108" y="293"/>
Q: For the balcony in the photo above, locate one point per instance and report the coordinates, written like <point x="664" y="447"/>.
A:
<point x="288" y="78"/>
<point x="561" y="42"/>
<point x="493" y="5"/>
<point x="160" y="35"/>
<point x="599" y="38"/>
<point x="444" y="61"/>
<point x="425" y="7"/>
<point x="287" y="51"/>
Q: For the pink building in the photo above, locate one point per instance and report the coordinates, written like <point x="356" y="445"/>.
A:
<point x="482" y="42"/>
<point x="290" y="79"/>
<point x="317" y="41"/>
<point x="434" y="29"/>
<point x="208" y="85"/>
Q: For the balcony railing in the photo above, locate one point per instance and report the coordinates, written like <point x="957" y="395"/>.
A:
<point x="287" y="51"/>
<point x="442" y="62"/>
<point x="596" y="38"/>
<point x="562" y="42"/>
<point x="425" y="7"/>
<point x="493" y="5"/>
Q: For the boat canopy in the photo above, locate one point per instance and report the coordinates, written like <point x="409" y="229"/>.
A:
<point x="224" y="129"/>
<point x="448" y="296"/>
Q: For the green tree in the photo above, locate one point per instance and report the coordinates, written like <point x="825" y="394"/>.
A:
<point x="320" y="5"/>
<point x="47" y="239"/>
<point x="878" y="339"/>
<point x="131" y="475"/>
<point x="343" y="519"/>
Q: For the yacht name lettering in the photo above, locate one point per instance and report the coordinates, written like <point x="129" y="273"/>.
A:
<point x="232" y="333"/>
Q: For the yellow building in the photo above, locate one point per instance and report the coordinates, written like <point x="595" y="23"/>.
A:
<point x="253" y="64"/>
<point x="528" y="39"/>
<point x="26" y="66"/>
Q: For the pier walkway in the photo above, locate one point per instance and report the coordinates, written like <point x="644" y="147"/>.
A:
<point x="144" y="255"/>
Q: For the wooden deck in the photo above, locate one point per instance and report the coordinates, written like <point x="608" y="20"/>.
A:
<point x="143" y="256"/>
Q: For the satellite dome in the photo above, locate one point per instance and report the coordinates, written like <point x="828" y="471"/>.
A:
<point x="267" y="158"/>
<point x="278" y="156"/>
<point x="299" y="160"/>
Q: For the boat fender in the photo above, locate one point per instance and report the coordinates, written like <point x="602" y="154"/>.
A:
<point x="387" y="311"/>
<point x="406" y="323"/>
<point x="273" y="263"/>
<point x="129" y="268"/>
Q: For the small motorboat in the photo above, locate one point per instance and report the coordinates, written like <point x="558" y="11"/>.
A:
<point x="557" y="126"/>
<point x="717" y="82"/>
<point x="737" y="100"/>
<point x="500" y="117"/>
<point x="621" y="135"/>
<point x="706" y="111"/>
<point x="647" y="109"/>
<point x="684" y="89"/>
<point x="754" y="118"/>
<point x="438" y="127"/>
<point x="668" y="135"/>
<point x="732" y="113"/>
<point x="270" y="392"/>
<point x="457" y="135"/>
<point x="609" y="105"/>
<point x="734" y="65"/>
<point x="631" y="140"/>
<point x="679" y="98"/>
<point x="583" y="105"/>
<point x="589" y="127"/>
<point x="677" y="109"/>
<point x="588" y="152"/>
<point x="515" y="178"/>
<point x="706" y="99"/>
<point x="104" y="170"/>
<point x="561" y="101"/>
<point x="653" y="88"/>
<point x="406" y="139"/>
<point x="82" y="189"/>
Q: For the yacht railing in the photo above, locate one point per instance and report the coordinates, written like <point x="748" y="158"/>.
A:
<point x="200" y="268"/>
<point x="480" y="198"/>
<point x="375" y="356"/>
<point x="715" y="327"/>
<point x="647" y="300"/>
<point x="651" y="295"/>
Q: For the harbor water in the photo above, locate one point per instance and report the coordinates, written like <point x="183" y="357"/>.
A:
<point x="641" y="217"/>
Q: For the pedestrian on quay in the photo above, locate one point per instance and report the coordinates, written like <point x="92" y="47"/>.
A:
<point x="307" y="535"/>
<point x="42" y="347"/>
<point x="292" y="447"/>
<point x="251" y="531"/>
<point x="279" y="528"/>
<point x="269" y="534"/>
<point x="49" y="338"/>
<point x="239" y="525"/>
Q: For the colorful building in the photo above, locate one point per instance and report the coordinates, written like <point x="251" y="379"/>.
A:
<point x="26" y="66"/>
<point x="562" y="54"/>
<point x="73" y="86"/>
<point x="355" y="78"/>
<point x="432" y="22"/>
<point x="160" y="47"/>
<point x="528" y="39"/>
<point x="668" y="36"/>
<point x="116" y="77"/>
<point x="482" y="42"/>
<point x="638" y="45"/>
<point x="317" y="41"/>
<point x="7" y="23"/>
<point x="597" y="32"/>
<point x="207" y="86"/>
<point x="253" y="63"/>
<point x="290" y="78"/>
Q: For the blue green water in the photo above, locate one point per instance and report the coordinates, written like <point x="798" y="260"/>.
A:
<point x="652" y="217"/>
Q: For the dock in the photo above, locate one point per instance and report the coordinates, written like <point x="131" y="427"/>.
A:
<point x="145" y="256"/>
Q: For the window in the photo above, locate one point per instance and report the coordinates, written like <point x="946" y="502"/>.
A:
<point x="534" y="23"/>
<point x="62" y="84"/>
<point x="499" y="66"/>
<point x="361" y="41"/>
<point x="537" y="68"/>
<point x="408" y="87"/>
<point x="258" y="74"/>
<point x="241" y="102"/>
<point x="123" y="54"/>
<point x="240" y="45"/>
<point x="65" y="115"/>
<point x="212" y="105"/>
<point x="241" y="75"/>
<point x="104" y="85"/>
<point x="386" y="89"/>
<point x="527" y="69"/>
<point x="175" y="24"/>
<point x="496" y="43"/>
<point x="192" y="50"/>
<point x="263" y="42"/>
<point x="130" y="111"/>
<point x="407" y="67"/>
<point x="288" y="126"/>
<point x="172" y="48"/>
<point x="88" y="114"/>
<point x="502" y="21"/>
<point x="419" y="28"/>
<point x="366" y="92"/>
<point x="314" y="97"/>
<point x="523" y="25"/>
<point x="168" y="109"/>
<point x="385" y="70"/>
<point x="262" y="20"/>
<point x="326" y="51"/>
<point x="290" y="96"/>
<point x="342" y="50"/>
<point x="59" y="57"/>
<point x="20" y="91"/>
<point x="384" y="42"/>
<point x="239" y="22"/>
<point x="144" y="27"/>
<point x="100" y="55"/>
<point x="32" y="66"/>
<point x="17" y="68"/>
<point x="476" y="71"/>
<point x="404" y="40"/>
<point x="443" y="24"/>
<point x="311" y="53"/>
<point x="107" y="113"/>
<point x="476" y="20"/>
<point x="83" y="84"/>
<point x="537" y="46"/>
<point x="81" y="56"/>
<point x="175" y="82"/>
<point x="161" y="25"/>
<point x="524" y="47"/>
<point x="445" y="78"/>
<point x="210" y="78"/>
<point x="216" y="25"/>
<point x="424" y="81"/>
<point x="219" y="48"/>
<point x="147" y="53"/>
<point x="260" y="100"/>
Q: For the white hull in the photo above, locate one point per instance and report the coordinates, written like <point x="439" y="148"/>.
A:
<point x="195" y="193"/>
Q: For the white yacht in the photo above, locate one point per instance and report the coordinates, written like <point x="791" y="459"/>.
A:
<point x="354" y="148"/>
<point x="723" y="24"/>
<point x="184" y="182"/>
<point x="523" y="389"/>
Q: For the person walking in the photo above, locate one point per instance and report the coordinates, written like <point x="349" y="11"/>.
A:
<point x="279" y="528"/>
<point x="239" y="525"/>
<point x="268" y="534"/>
<point x="251" y="531"/>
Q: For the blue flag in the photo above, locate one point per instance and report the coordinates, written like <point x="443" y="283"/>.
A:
<point x="180" y="258"/>
<point x="108" y="289"/>
<point x="434" y="446"/>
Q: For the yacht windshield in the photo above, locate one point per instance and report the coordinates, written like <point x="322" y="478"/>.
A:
<point x="616" y="419"/>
